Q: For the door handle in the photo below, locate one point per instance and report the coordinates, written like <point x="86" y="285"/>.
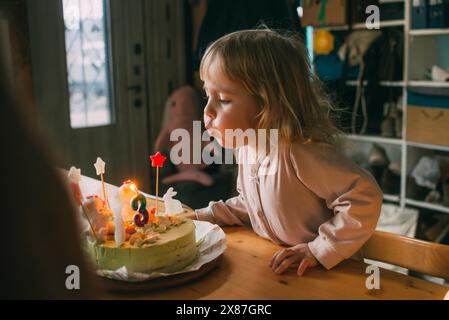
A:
<point x="136" y="88"/>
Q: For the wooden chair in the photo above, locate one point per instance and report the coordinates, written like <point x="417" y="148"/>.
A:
<point x="413" y="254"/>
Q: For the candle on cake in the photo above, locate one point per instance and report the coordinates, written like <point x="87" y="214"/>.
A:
<point x="100" y="168"/>
<point x="74" y="176"/>
<point x="157" y="161"/>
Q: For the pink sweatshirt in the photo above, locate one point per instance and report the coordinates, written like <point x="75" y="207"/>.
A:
<point x="315" y="196"/>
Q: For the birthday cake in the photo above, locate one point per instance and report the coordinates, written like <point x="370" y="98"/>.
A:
<point x="149" y="249"/>
<point x="135" y="235"/>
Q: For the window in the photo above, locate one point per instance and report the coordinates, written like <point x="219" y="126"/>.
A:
<point x="89" y="81"/>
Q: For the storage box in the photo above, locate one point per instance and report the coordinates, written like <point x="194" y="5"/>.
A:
<point x="438" y="11"/>
<point x="392" y="10"/>
<point x="428" y="119"/>
<point x="324" y="13"/>
<point x="419" y="14"/>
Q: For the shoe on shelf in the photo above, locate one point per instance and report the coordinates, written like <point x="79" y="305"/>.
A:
<point x="439" y="74"/>
<point x="387" y="125"/>
<point x="395" y="167"/>
<point x="427" y="172"/>
<point x="415" y="191"/>
<point x="378" y="157"/>
<point x="391" y="126"/>
<point x="387" y="128"/>
<point x="433" y="196"/>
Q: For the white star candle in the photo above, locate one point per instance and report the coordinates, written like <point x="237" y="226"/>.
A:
<point x="99" y="167"/>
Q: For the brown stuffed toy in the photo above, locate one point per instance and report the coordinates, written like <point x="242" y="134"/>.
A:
<point x="181" y="109"/>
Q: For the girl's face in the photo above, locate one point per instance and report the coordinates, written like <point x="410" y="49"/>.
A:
<point x="229" y="106"/>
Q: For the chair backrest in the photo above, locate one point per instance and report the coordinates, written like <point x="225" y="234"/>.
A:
<point x="413" y="254"/>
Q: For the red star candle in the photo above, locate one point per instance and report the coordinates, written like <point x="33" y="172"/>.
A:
<point x="157" y="161"/>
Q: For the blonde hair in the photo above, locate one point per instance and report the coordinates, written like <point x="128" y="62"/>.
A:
<point x="275" y="69"/>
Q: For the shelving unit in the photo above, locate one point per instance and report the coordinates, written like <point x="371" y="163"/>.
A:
<point x="383" y="24"/>
<point x="427" y="205"/>
<point x="382" y="83"/>
<point x="426" y="32"/>
<point x="434" y="147"/>
<point x="359" y="26"/>
<point x="375" y="139"/>
<point x="406" y="148"/>
<point x="391" y="198"/>
<point x="432" y="84"/>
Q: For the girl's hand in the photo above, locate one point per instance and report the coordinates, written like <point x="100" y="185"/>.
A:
<point x="292" y="257"/>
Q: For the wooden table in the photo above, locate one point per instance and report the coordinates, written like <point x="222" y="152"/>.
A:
<point x="243" y="273"/>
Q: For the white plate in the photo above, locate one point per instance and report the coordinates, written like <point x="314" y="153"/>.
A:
<point x="211" y="243"/>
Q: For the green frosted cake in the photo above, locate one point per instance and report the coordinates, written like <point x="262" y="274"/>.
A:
<point x="166" y="245"/>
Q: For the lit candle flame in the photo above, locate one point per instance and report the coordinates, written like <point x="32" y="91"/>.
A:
<point x="131" y="185"/>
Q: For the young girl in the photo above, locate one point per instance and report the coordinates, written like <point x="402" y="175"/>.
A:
<point x="318" y="203"/>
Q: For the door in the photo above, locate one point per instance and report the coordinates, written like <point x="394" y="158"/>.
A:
<point x="89" y="79"/>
